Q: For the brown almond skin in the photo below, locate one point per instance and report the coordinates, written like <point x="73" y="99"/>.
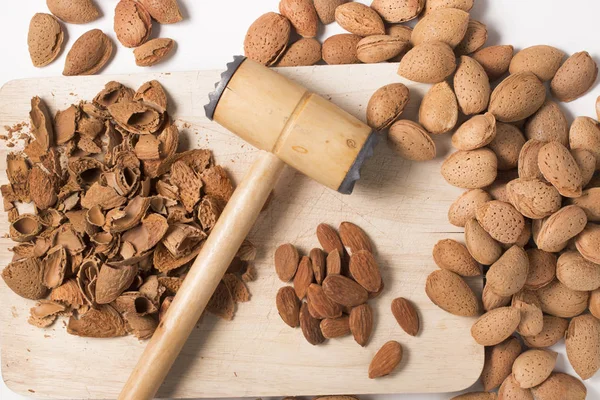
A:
<point x="354" y="238"/>
<point x="481" y="245"/>
<point x="326" y="9"/>
<point x="542" y="60"/>
<point x="132" y="23"/>
<point x="582" y="341"/>
<point x="74" y="11"/>
<point x="507" y="276"/>
<point x="394" y="12"/>
<point x="267" y="38"/>
<point x="318" y="261"/>
<point x="25" y="278"/>
<point x="585" y="134"/>
<point x="163" y="11"/>
<point x="329" y="239"/>
<point x="548" y="124"/>
<point x="510" y="390"/>
<point x="533" y="367"/>
<point x="386" y="360"/>
<point x="361" y="323"/>
<point x="534" y="198"/>
<point x="575" y="77"/>
<point x="588" y="243"/>
<point x="517" y="97"/>
<point x="44" y="39"/>
<point x="542" y="268"/>
<point x="448" y="25"/>
<point x="302" y="15"/>
<point x="153" y="51"/>
<point x="451" y="293"/>
<point x="560" y="386"/>
<point x="560" y="168"/>
<point x="321" y="303"/>
<point x="304" y="277"/>
<point x="474" y="169"/>
<point x="344" y="291"/>
<point x="335" y="328"/>
<point x="411" y="141"/>
<point x="90" y="52"/>
<point x="438" y="112"/>
<point x="495" y="60"/>
<point x="386" y="105"/>
<point x="495" y="326"/>
<point x="498" y="363"/>
<point x="552" y="332"/>
<point x="359" y="19"/>
<point x="430" y="62"/>
<point x="465" y="207"/>
<point x="507" y="145"/>
<point x="475" y="133"/>
<point x="304" y="52"/>
<point x="406" y="315"/>
<point x="379" y="48"/>
<point x="365" y="271"/>
<point x="310" y="326"/>
<point x="288" y="306"/>
<point x="454" y="256"/>
<point x="560" y="301"/>
<point x="341" y="49"/>
<point x="561" y="227"/>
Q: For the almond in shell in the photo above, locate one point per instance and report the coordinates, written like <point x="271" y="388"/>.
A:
<point x="406" y="315"/>
<point x="495" y="60"/>
<point x="438" y="112"/>
<point x="560" y="386"/>
<point x="341" y="49"/>
<point x="492" y="300"/>
<point x="498" y="363"/>
<point x="533" y="367"/>
<point x="589" y="202"/>
<point x="153" y="51"/>
<point x="454" y="256"/>
<point x="267" y="38"/>
<point x="90" y="52"/>
<point x="542" y="268"/>
<point x="411" y="141"/>
<point x="431" y="5"/>
<point x="465" y="207"/>
<point x="451" y="293"/>
<point x="404" y="33"/>
<point x="163" y="11"/>
<point x="575" y="77"/>
<point x="326" y="9"/>
<point x="507" y="145"/>
<point x="508" y="275"/>
<point x="359" y="19"/>
<point x="430" y="62"/>
<point x="475" y="133"/>
<point x="473" y="169"/>
<point x="582" y="341"/>
<point x="561" y="227"/>
<point x="447" y="25"/>
<point x="379" y="48"/>
<point x="476" y="396"/>
<point x="304" y="52"/>
<point x="495" y="326"/>
<point x="484" y="249"/>
<point x="548" y="124"/>
<point x="398" y="11"/>
<point x="387" y="104"/>
<point x="532" y="319"/>
<point x="577" y="273"/>
<point x="132" y="23"/>
<point x="558" y="300"/>
<point x="510" y="389"/>
<point x="588" y="243"/>
<point x="553" y="331"/>
<point x="501" y="220"/>
<point x="386" y="360"/>
<point x="361" y="323"/>
<point x="302" y="15"/>
<point x="559" y="167"/>
<point x="542" y="60"/>
<point x="586" y="161"/>
<point x="44" y="39"/>
<point x="474" y="39"/>
<point x="528" y="160"/>
<point x="472" y="86"/>
<point x="585" y="134"/>
<point x="534" y="198"/>
<point x="594" y="304"/>
<point x="74" y="11"/>
<point x="517" y="97"/>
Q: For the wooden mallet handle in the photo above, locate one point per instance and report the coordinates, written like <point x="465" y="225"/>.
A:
<point x="220" y="248"/>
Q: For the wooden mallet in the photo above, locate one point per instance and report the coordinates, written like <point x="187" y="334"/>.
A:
<point x="292" y="126"/>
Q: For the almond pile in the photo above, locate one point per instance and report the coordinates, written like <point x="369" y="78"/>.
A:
<point x="91" y="51"/>
<point x="118" y="215"/>
<point x="331" y="289"/>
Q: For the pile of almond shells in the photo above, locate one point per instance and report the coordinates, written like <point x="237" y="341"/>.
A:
<point x="337" y="282"/>
<point x="118" y="215"/>
<point x="92" y="50"/>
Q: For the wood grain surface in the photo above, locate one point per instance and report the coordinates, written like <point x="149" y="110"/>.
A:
<point x="401" y="205"/>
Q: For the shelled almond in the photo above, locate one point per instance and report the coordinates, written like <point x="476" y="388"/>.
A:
<point x="119" y="217"/>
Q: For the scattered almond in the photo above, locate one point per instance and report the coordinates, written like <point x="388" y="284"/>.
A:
<point x="472" y="86"/>
<point x="582" y="341"/>
<point x="386" y="360"/>
<point x="411" y="141"/>
<point x="447" y="25"/>
<point x="326" y="9"/>
<point x="302" y="15"/>
<point x="543" y="61"/>
<point x="454" y="256"/>
<point x="473" y="169"/>
<point x="386" y="105"/>
<point x="341" y="49"/>
<point x="575" y="77"/>
<point x="304" y="52"/>
<point x="474" y="39"/>
<point x="163" y="11"/>
<point x="475" y="133"/>
<point x="359" y="19"/>
<point x="286" y="262"/>
<point x="335" y="328"/>
<point x="438" y="112"/>
<point x="267" y="38"/>
<point x="361" y="323"/>
<point x="560" y="168"/>
<point x="90" y="52"/>
<point x="406" y="316"/>
<point x="430" y="62"/>
<point x="560" y="301"/>
<point x="74" y="11"/>
<point x="560" y="386"/>
<point x="495" y="326"/>
<point x="498" y="363"/>
<point x="495" y="60"/>
<point x="533" y="367"/>
<point x="310" y="327"/>
<point x="153" y="51"/>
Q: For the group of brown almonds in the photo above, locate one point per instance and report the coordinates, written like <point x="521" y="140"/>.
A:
<point x="118" y="215"/>
<point x="337" y="287"/>
<point x="91" y="51"/>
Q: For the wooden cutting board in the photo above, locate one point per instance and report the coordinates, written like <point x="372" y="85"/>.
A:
<point x="401" y="205"/>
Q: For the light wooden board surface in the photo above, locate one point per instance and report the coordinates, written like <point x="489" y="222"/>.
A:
<point x="401" y="205"/>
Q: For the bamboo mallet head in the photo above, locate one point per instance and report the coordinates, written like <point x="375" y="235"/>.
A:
<point x="304" y="130"/>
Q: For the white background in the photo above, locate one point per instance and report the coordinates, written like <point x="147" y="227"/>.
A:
<point x="213" y="31"/>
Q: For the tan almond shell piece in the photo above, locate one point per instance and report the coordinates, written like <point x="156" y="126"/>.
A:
<point x="44" y="39"/>
<point x="142" y="327"/>
<point x="152" y="93"/>
<point x="136" y="117"/>
<point x="221" y="303"/>
<point x="386" y="105"/>
<point x="65" y="124"/>
<point x="25" y="278"/>
<point x="475" y="38"/>
<point x="267" y="38"/>
<point x="41" y="123"/>
<point x="153" y="51"/>
<point x="90" y="52"/>
<point x="103" y="322"/>
<point x="113" y="281"/>
<point x="163" y="11"/>
<point x="238" y="289"/>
